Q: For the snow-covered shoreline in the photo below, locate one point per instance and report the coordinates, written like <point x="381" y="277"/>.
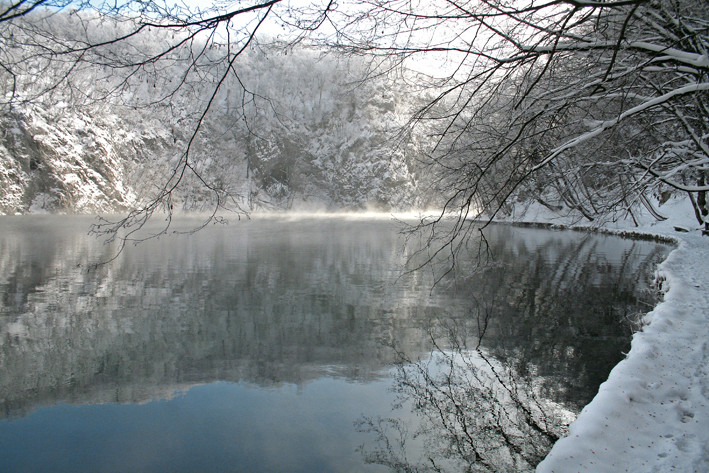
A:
<point x="652" y="412"/>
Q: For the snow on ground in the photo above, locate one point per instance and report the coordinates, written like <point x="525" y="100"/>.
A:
<point x="652" y="414"/>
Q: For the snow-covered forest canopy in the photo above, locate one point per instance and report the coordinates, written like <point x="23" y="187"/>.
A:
<point x="595" y="108"/>
<point x="291" y="125"/>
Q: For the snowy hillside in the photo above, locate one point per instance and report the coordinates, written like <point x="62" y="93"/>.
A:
<point x="289" y="127"/>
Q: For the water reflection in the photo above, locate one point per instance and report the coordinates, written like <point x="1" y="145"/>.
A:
<point x="276" y="305"/>
<point x="560" y="305"/>
<point x="267" y="304"/>
<point x="552" y="314"/>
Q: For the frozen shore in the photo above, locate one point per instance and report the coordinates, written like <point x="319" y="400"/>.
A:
<point x="652" y="413"/>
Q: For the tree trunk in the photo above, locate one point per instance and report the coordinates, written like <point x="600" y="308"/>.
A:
<point x="702" y="205"/>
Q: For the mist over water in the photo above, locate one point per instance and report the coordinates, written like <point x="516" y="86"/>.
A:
<point x="262" y="343"/>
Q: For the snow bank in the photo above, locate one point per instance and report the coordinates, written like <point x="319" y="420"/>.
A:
<point x="651" y="415"/>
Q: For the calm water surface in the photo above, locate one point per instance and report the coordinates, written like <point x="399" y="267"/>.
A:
<point x="300" y="346"/>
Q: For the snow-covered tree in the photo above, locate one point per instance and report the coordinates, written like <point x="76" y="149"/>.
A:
<point x="597" y="107"/>
<point x="287" y="124"/>
<point x="593" y="106"/>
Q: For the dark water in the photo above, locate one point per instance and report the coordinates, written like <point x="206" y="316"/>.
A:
<point x="301" y="346"/>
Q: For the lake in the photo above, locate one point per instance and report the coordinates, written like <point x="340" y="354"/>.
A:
<point x="300" y="345"/>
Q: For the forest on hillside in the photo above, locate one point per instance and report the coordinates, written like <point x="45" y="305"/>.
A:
<point x="294" y="128"/>
<point x="595" y="109"/>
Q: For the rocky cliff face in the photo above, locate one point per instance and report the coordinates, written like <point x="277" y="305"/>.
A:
<point x="291" y="129"/>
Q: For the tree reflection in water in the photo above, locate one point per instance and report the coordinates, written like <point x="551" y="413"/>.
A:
<point x="493" y="362"/>
<point x="500" y="386"/>
<point x="473" y="414"/>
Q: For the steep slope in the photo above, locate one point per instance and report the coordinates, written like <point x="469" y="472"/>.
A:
<point x="288" y="126"/>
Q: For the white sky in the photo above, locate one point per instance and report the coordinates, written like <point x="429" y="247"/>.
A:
<point x="273" y="27"/>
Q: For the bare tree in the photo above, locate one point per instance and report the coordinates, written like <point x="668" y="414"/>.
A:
<point x="45" y="44"/>
<point x="580" y="104"/>
<point x="589" y="105"/>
